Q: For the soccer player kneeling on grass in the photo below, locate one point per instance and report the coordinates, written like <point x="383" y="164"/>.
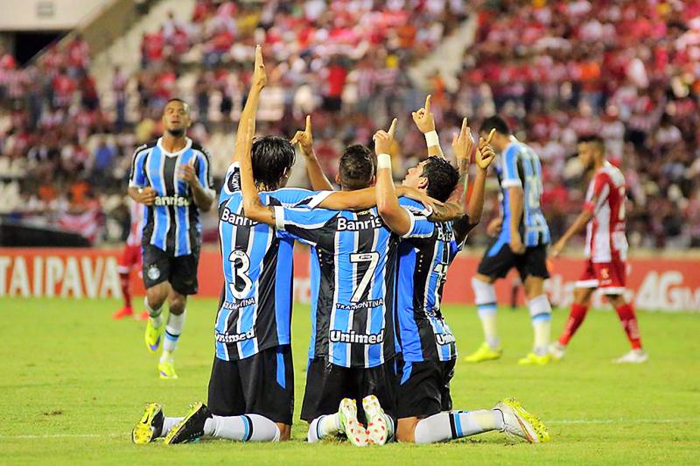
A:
<point x="426" y="364"/>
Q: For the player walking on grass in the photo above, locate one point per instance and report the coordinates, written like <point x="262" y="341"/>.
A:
<point x="171" y="177"/>
<point x="521" y="243"/>
<point x="426" y="364"/>
<point x="606" y="249"/>
<point x="131" y="259"/>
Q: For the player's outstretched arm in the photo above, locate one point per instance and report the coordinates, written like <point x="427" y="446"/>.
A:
<point x="579" y="224"/>
<point x="366" y="198"/>
<point x="250" y="110"/>
<point x="252" y="207"/>
<point x="305" y="140"/>
<point x="425" y="123"/>
<point x="396" y="217"/>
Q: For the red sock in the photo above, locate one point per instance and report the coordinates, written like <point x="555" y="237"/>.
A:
<point x="578" y="313"/>
<point x="629" y="323"/>
<point x="124" y="277"/>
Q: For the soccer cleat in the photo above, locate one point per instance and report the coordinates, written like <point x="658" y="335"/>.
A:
<point x="533" y="359"/>
<point x="557" y="351"/>
<point x="123" y="312"/>
<point x="635" y="356"/>
<point x="377" y="430"/>
<point x="191" y="427"/>
<point x="153" y="336"/>
<point x="518" y="422"/>
<point x="484" y="353"/>
<point x="166" y="370"/>
<point x="150" y="426"/>
<point x="349" y="425"/>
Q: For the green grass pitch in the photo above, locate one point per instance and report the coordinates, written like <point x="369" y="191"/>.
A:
<point x="74" y="382"/>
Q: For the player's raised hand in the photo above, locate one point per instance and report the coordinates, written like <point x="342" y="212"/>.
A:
<point x="384" y="139"/>
<point x="187" y="173"/>
<point x="304" y="138"/>
<point x="462" y="143"/>
<point x="259" y="74"/>
<point x="423" y="118"/>
<point x="485" y="153"/>
<point x="147" y="195"/>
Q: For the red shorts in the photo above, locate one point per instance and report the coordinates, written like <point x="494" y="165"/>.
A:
<point x="609" y="277"/>
<point x="131" y="257"/>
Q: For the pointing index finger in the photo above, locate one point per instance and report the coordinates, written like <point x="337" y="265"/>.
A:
<point x="392" y="128"/>
<point x="427" y="103"/>
<point x="488" y="140"/>
<point x="258" y="56"/>
<point x="308" y="124"/>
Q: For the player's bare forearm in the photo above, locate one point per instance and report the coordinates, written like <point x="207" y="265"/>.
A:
<point x="248" y="116"/>
<point x="252" y="207"/>
<point x="476" y="201"/>
<point x="395" y="216"/>
<point x="515" y="197"/>
<point x="453" y="208"/>
<point x="578" y="225"/>
<point x="436" y="151"/>
<point x="203" y="199"/>
<point x="134" y="193"/>
<point x="319" y="181"/>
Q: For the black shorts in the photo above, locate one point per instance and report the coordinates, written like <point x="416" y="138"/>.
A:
<point x="261" y="384"/>
<point x="160" y="266"/>
<point x="424" y="389"/>
<point x="327" y="384"/>
<point x="499" y="259"/>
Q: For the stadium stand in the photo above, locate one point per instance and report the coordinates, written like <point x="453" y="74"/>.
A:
<point x="69" y="121"/>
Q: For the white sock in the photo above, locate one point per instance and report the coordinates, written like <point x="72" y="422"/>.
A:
<point x="323" y="426"/>
<point x="389" y="427"/>
<point x="541" y="313"/>
<point x="246" y="428"/>
<point x="169" y="423"/>
<point x="457" y="424"/>
<point x="173" y="329"/>
<point x="154" y="314"/>
<point x="485" y="298"/>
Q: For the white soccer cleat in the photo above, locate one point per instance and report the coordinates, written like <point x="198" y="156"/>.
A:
<point x="557" y="351"/>
<point x="349" y="425"/>
<point x="518" y="422"/>
<point x="377" y="430"/>
<point x="635" y="356"/>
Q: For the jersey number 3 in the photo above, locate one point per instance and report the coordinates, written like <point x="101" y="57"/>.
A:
<point x="240" y="263"/>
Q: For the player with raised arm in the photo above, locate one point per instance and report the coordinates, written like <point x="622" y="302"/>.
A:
<point x="603" y="216"/>
<point x="171" y="176"/>
<point x="521" y="243"/>
<point x="427" y="360"/>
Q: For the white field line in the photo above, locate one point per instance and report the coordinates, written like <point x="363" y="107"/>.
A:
<point x="560" y="421"/>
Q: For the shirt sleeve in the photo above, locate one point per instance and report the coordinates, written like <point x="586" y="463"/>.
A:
<point x="511" y="177"/>
<point x="297" y="197"/>
<point x="203" y="169"/>
<point x="305" y="225"/>
<point x="137" y="177"/>
<point x="601" y="191"/>
<point x="232" y="182"/>
<point x="420" y="227"/>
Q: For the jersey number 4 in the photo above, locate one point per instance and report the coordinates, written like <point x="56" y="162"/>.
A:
<point x="240" y="263"/>
<point x="373" y="259"/>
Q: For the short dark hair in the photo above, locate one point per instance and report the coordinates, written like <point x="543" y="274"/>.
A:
<point x="357" y="167"/>
<point x="497" y="123"/>
<point x="442" y="178"/>
<point x="177" y="99"/>
<point x="272" y="157"/>
<point x="592" y="138"/>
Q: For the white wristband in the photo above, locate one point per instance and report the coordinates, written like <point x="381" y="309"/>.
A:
<point x="383" y="161"/>
<point x="432" y="139"/>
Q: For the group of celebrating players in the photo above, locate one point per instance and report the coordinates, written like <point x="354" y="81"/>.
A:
<point x="379" y="259"/>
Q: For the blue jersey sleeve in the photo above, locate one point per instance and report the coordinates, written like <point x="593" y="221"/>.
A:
<point x="137" y="178"/>
<point x="232" y="182"/>
<point x="203" y="171"/>
<point x="511" y="177"/>
<point x="305" y="225"/>
<point x="297" y="197"/>
<point x="421" y="227"/>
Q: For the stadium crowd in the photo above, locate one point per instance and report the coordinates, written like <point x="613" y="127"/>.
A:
<point x="557" y="70"/>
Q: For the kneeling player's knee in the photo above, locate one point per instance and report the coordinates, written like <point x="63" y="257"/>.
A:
<point x="484" y="293"/>
<point x="406" y="430"/>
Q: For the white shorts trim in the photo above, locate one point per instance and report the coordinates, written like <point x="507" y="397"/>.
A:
<point x="613" y="290"/>
<point x="593" y="283"/>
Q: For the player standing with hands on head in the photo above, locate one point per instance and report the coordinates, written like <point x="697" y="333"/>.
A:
<point x="521" y="243"/>
<point x="171" y="176"/>
<point x="606" y="249"/>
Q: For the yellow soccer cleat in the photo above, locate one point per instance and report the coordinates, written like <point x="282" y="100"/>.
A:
<point x="534" y="360"/>
<point x="484" y="353"/>
<point x="518" y="422"/>
<point x="150" y="426"/>
<point x="166" y="370"/>
<point x="153" y="336"/>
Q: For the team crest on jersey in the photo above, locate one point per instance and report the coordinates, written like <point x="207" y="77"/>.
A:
<point x="153" y="272"/>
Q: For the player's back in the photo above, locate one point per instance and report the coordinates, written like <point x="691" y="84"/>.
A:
<point x="422" y="271"/>
<point x="255" y="309"/>
<point x="605" y="232"/>
<point x="519" y="166"/>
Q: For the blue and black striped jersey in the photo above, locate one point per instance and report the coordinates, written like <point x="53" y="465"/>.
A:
<point x="172" y="223"/>
<point x="353" y="270"/>
<point x="519" y="165"/>
<point x="422" y="270"/>
<point x="256" y="303"/>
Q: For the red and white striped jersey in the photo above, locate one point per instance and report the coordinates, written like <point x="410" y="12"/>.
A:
<point x="605" y="232"/>
<point x="136" y="211"/>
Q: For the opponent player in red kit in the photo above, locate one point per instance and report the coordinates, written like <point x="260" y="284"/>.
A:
<point x="606" y="249"/>
<point x="130" y="259"/>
